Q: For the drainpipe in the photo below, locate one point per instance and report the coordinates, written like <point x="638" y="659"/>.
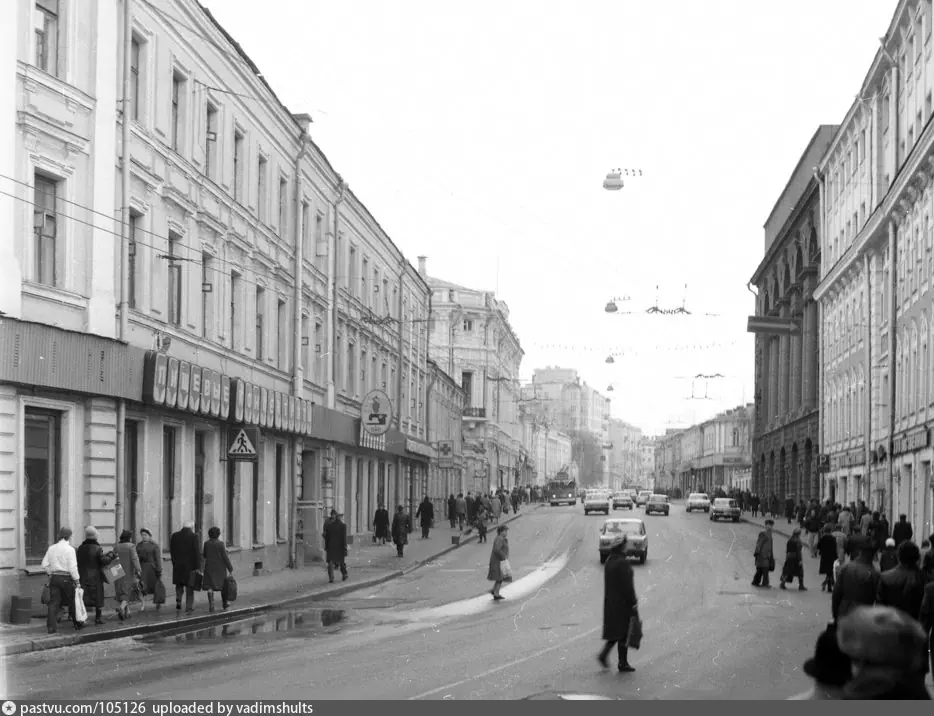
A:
<point x="297" y="367"/>
<point x="433" y="376"/>
<point x="869" y="380"/>
<point x="120" y="497"/>
<point x="819" y="328"/>
<point x="893" y="326"/>
<point x="400" y="339"/>
<point x="332" y="294"/>
<point x="455" y="318"/>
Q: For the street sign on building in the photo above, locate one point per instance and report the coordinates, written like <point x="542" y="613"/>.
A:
<point x="376" y="412"/>
<point x="445" y="454"/>
<point x="242" y="444"/>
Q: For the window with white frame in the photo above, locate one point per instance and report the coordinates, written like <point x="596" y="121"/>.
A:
<point x="135" y="56"/>
<point x="467" y="325"/>
<point x="308" y="247"/>
<point x="42" y="476"/>
<point x="364" y="280"/>
<point x="210" y="141"/>
<point x="174" y="259"/>
<point x="283" y="207"/>
<point x="45" y="225"/>
<point x="307" y="349"/>
<point x="282" y="337"/>
<point x="178" y="110"/>
<point x="262" y="197"/>
<point x="132" y="265"/>
<point x="236" y="312"/>
<point x="47" y="20"/>
<point x="259" y="330"/>
<point x="207" y="295"/>
<point x="238" y="157"/>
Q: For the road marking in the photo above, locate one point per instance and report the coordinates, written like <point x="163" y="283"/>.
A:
<point x="509" y="665"/>
<point x="730" y="550"/>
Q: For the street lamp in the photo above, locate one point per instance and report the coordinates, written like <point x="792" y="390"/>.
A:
<point x="611" y="307"/>
<point x="613" y="181"/>
<point x="610" y="359"/>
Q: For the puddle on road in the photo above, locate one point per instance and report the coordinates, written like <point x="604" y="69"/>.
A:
<point x="295" y="623"/>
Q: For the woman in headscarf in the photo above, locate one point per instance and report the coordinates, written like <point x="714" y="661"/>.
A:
<point x="125" y="588"/>
<point x="91" y="562"/>
<point x="216" y="567"/>
<point x="498" y="555"/>
<point x="150" y="562"/>
<point x="793" y="568"/>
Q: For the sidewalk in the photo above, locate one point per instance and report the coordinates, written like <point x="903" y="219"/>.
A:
<point x="368" y="565"/>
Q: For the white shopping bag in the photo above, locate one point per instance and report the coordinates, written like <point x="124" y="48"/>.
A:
<point x="81" y="613"/>
<point x="506" y="570"/>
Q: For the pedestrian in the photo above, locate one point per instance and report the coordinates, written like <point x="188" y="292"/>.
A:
<point x="91" y="562"/>
<point x="858" y="581"/>
<point x="452" y="510"/>
<point x="186" y="565"/>
<point x="425" y="516"/>
<point x="927" y="620"/>
<point x="845" y="521"/>
<point x="216" y="568"/>
<point x="126" y="588"/>
<point x="61" y="564"/>
<point x="886" y="647"/>
<point x="902" y="532"/>
<point x="150" y="563"/>
<point x="381" y="524"/>
<point x="902" y="586"/>
<point x="764" y="556"/>
<point x="482" y="517"/>
<point x="499" y="555"/>
<point x="400" y="530"/>
<point x="888" y="558"/>
<point x="793" y="567"/>
<point x="830" y="669"/>
<point x="335" y="546"/>
<point x="827" y="547"/>
<point x="865" y="522"/>
<point x="497" y="506"/>
<point x="461" y="505"/>
<point x="619" y="606"/>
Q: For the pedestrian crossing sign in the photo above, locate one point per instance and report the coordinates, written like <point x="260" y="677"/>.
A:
<point x="242" y="445"/>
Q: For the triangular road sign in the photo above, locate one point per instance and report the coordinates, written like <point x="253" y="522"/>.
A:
<point x="241" y="445"/>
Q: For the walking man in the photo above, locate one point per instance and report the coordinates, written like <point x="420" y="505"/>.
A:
<point x="186" y="560"/>
<point x="619" y="606"/>
<point x="61" y="564"/>
<point x="335" y="545"/>
<point x="765" y="557"/>
<point x="426" y="516"/>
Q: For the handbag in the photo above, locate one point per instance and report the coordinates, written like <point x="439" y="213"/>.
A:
<point x="158" y="593"/>
<point x="46" y="595"/>
<point x="634" y="638"/>
<point x="229" y="590"/>
<point x="114" y="571"/>
<point x="505" y="569"/>
<point x="195" y="581"/>
<point x="771" y="564"/>
<point x="81" y="612"/>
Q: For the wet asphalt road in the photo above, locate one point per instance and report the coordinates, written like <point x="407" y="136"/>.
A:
<point x="436" y="634"/>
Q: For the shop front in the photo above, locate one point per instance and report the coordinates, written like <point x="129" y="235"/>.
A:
<point x="847" y="479"/>
<point x="418" y="457"/>
<point x="912" y="489"/>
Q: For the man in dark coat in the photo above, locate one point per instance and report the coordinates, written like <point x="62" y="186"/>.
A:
<point x="902" y="532"/>
<point x="186" y="559"/>
<point x="381" y="524"/>
<point x="764" y="556"/>
<point x="903" y="586"/>
<point x="619" y="606"/>
<point x="400" y="530"/>
<point x="452" y="511"/>
<point x="858" y="582"/>
<point x="335" y="545"/>
<point x="426" y="516"/>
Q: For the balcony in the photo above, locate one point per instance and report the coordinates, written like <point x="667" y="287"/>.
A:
<point x="474" y="414"/>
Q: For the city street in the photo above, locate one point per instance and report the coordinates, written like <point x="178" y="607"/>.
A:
<point x="436" y="633"/>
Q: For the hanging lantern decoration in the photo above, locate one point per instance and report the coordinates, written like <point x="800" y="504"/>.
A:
<point x="610" y="359"/>
<point x="609" y="389"/>
<point x="613" y="181"/>
<point x="611" y="307"/>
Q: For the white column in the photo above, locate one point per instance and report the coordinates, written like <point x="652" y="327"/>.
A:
<point x="11" y="273"/>
<point x="104" y="254"/>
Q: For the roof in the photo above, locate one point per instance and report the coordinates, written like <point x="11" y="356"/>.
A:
<point x="434" y="282"/>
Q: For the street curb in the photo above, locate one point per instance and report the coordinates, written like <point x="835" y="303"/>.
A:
<point x="774" y="529"/>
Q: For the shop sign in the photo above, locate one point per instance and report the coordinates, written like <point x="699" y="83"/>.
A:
<point x="271" y="409"/>
<point x="155" y="377"/>
<point x="445" y="454"/>
<point x="263" y="407"/>
<point x="417" y="448"/>
<point x="277" y="413"/>
<point x="171" y="389"/>
<point x="184" y="384"/>
<point x="248" y="416"/>
<point x="238" y="388"/>
<point x="207" y="390"/>
<point x="194" y="390"/>
<point x="371" y="442"/>
<point x="376" y="412"/>
<point x="909" y="442"/>
<point x="292" y="413"/>
<point x="852" y="458"/>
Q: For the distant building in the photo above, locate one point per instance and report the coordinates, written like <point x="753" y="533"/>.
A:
<point x="647" y="449"/>
<point x="712" y="452"/>
<point x="625" y="455"/>
<point x="445" y="414"/>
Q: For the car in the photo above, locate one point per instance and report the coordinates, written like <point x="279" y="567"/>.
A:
<point x="597" y="501"/>
<point x="637" y="541"/>
<point x="657" y="503"/>
<point x="697" y="501"/>
<point x="724" y="509"/>
<point x="643" y="497"/>
<point x="622" y="501"/>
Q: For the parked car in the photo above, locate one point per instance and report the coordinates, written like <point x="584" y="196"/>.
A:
<point x="637" y="541"/>
<point x="724" y="509"/>
<point x="597" y="502"/>
<point x="622" y="501"/>
<point x="697" y="501"/>
<point x="657" y="503"/>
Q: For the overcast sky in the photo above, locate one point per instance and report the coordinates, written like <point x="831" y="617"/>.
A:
<point x="479" y="134"/>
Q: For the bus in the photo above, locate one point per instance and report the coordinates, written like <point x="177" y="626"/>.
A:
<point x="561" y="492"/>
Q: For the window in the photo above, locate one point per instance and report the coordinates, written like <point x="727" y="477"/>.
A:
<point x="45" y="219"/>
<point x="282" y="335"/>
<point x="257" y="506"/>
<point x="131" y="255"/>
<point x="260" y="303"/>
<point x="175" y="280"/>
<point x="178" y="87"/>
<point x="467" y="385"/>
<point x="207" y="294"/>
<point x="306" y="346"/>
<point x="280" y="480"/>
<point x="261" y="198"/>
<point x="375" y="299"/>
<point x="235" y="292"/>
<point x="134" y="78"/>
<point x="210" y="142"/>
<point x="169" y="438"/>
<point x="352" y="272"/>
<point x="43" y="482"/>
<point x="364" y="278"/>
<point x="199" y="462"/>
<point x="384" y="378"/>
<point x="307" y="247"/>
<point x="364" y="386"/>
<point x="233" y="499"/>
<point x="47" y="36"/>
<point x="468" y="325"/>
<point x="283" y="207"/>
<point x="886" y="113"/>
<point x="321" y="251"/>
<point x="350" y="375"/>
<point x="862" y="146"/>
<point x="238" y="165"/>
<point x="131" y="487"/>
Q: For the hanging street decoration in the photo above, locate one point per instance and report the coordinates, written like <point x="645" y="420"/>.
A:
<point x="614" y="178"/>
<point x="618" y="350"/>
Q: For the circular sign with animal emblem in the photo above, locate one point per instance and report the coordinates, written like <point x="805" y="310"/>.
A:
<point x="376" y="412"/>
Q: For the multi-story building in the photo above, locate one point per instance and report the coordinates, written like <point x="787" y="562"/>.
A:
<point x="668" y="460"/>
<point x="625" y="455"/>
<point x="446" y="400"/>
<point x="647" y="448"/>
<point x="249" y="289"/>
<point x="549" y="448"/>
<point x="714" y="451"/>
<point x="877" y="280"/>
<point x="472" y="339"/>
<point x="786" y="426"/>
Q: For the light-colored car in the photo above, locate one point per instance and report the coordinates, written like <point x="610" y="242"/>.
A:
<point x="657" y="503"/>
<point x="637" y="541"/>
<point x="697" y="501"/>
<point x="643" y="497"/>
<point x="724" y="509"/>
<point x="622" y="501"/>
<point x="597" y="501"/>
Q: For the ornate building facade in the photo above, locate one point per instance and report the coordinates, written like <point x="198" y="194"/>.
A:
<point x="786" y="434"/>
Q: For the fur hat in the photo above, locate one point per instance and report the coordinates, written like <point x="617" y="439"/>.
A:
<point x="829" y="666"/>
<point x="883" y="636"/>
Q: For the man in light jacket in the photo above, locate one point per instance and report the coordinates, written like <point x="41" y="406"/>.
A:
<point x="61" y="564"/>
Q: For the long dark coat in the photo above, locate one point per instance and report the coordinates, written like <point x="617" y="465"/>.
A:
<point x="216" y="565"/>
<point x="827" y="546"/>
<point x="425" y="514"/>
<point x="381" y="523"/>
<point x="763" y="552"/>
<point x="400" y="528"/>
<point x="452" y="508"/>
<point x="150" y="562"/>
<point x="335" y="542"/>
<point x="498" y="554"/>
<point x="619" y="598"/>
<point x="123" y="587"/>
<point x="91" y="562"/>
<point x="186" y="557"/>
<point x="793" y="567"/>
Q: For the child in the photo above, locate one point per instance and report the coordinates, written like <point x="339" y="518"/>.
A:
<point x="481" y="526"/>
